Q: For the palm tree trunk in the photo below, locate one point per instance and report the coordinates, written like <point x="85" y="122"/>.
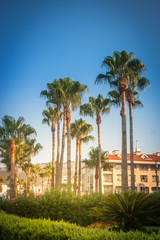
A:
<point x="124" y="145"/>
<point x="58" y="145"/>
<point x="79" y="182"/>
<point x="12" y="177"/>
<point x="32" y="181"/>
<point x="98" y="121"/>
<point x="62" y="149"/>
<point x="15" y="178"/>
<point x="28" y="176"/>
<point x="69" y="148"/>
<point x="131" y="147"/>
<point x="96" y="179"/>
<point x="53" y="153"/>
<point x="42" y="184"/>
<point x="76" y="162"/>
<point x="36" y="181"/>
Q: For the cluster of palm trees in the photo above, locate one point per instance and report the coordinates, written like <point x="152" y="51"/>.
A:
<point x="67" y="94"/>
<point x="125" y="77"/>
<point x="17" y="146"/>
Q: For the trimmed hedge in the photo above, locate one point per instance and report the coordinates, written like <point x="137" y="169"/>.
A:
<point x="16" y="228"/>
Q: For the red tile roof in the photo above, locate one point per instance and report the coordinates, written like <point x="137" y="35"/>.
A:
<point x="141" y="157"/>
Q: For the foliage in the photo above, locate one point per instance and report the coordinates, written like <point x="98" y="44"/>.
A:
<point x="13" y="227"/>
<point x="104" y="225"/>
<point x="55" y="205"/>
<point x="131" y="210"/>
<point x="92" y="162"/>
<point x="2" y="180"/>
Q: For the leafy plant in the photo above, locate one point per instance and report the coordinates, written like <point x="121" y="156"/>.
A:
<point x="131" y="210"/>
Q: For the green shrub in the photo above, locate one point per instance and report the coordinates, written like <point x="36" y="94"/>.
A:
<point x="131" y="210"/>
<point x="16" y="228"/>
<point x="55" y="205"/>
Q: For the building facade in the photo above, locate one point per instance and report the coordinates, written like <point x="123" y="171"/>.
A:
<point x="146" y="170"/>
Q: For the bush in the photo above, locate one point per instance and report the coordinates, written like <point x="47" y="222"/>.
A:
<point x="131" y="210"/>
<point x="55" y="205"/>
<point x="16" y="228"/>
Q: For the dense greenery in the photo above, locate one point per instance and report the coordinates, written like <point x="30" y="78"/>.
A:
<point x="54" y="205"/>
<point x="131" y="210"/>
<point x="13" y="227"/>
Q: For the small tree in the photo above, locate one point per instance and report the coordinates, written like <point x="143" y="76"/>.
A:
<point x="92" y="163"/>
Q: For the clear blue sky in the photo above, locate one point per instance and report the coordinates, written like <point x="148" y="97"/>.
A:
<point x="43" y="40"/>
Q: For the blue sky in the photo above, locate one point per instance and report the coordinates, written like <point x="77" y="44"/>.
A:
<point x="43" y="40"/>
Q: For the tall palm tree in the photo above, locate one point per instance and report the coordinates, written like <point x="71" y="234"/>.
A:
<point x="133" y="102"/>
<point x="142" y="84"/>
<point x="69" y="93"/>
<point x="50" y="117"/>
<point x="73" y="95"/>
<point x="121" y="68"/>
<point x="55" y="96"/>
<point x="96" y="107"/>
<point x="80" y="130"/>
<point x="93" y="162"/>
<point x="12" y="131"/>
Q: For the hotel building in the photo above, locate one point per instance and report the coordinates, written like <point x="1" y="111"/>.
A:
<point x="146" y="170"/>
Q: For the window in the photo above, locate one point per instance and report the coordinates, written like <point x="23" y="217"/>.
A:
<point x="108" y="178"/>
<point x="129" y="167"/>
<point x="119" y="177"/>
<point x="118" y="189"/>
<point x="91" y="179"/>
<point x="136" y="166"/>
<point x="154" y="189"/>
<point x="154" y="178"/>
<point x="146" y="189"/>
<point x="129" y="178"/>
<point x="144" y="178"/>
<point x="152" y="167"/>
<point x="107" y="189"/>
<point x="143" y="167"/>
<point x="118" y="166"/>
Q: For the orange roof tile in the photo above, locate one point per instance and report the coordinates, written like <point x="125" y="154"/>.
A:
<point x="151" y="157"/>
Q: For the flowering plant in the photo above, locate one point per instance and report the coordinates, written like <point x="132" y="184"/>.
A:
<point x="104" y="225"/>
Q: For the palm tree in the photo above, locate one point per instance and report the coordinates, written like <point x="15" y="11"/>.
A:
<point x="12" y="132"/>
<point x="50" y="117"/>
<point x="48" y="169"/>
<point x="66" y="92"/>
<point x="2" y="180"/>
<point x="80" y="130"/>
<point x="73" y="94"/>
<point x="134" y="102"/>
<point x="32" y="149"/>
<point x="96" y="107"/>
<point x="21" y="183"/>
<point x="93" y="162"/>
<point x="122" y="68"/>
<point x="37" y="169"/>
<point x="42" y="174"/>
<point x="55" y="96"/>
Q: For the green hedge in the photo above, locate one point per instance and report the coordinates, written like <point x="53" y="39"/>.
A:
<point x="16" y="228"/>
<point x="54" y="205"/>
